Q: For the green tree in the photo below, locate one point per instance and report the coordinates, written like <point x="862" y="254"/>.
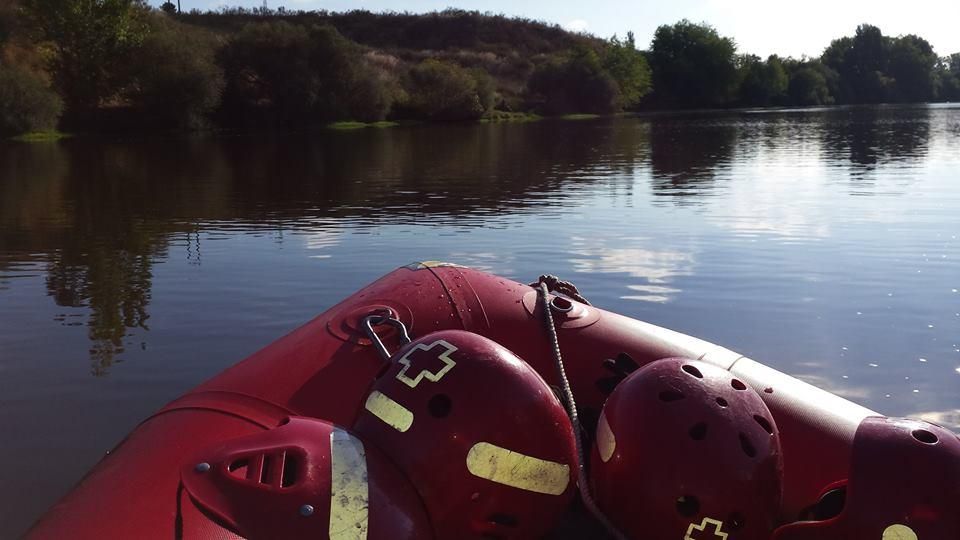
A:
<point x="26" y="103"/>
<point x="949" y="71"/>
<point x="808" y="86"/>
<point x="693" y="65"/>
<point x="443" y="91"/>
<point x="862" y="63"/>
<point x="93" y="40"/>
<point x="574" y="83"/>
<point x="912" y="64"/>
<point x="629" y="69"/>
<point x="486" y="88"/>
<point x="762" y="83"/>
<point x="176" y="78"/>
<point x="304" y="75"/>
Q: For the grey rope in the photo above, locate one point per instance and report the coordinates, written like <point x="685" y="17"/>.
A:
<point x="571" y="405"/>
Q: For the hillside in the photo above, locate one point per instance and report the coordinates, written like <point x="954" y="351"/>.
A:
<point x="136" y="67"/>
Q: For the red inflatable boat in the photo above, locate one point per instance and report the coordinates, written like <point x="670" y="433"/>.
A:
<point x="442" y="402"/>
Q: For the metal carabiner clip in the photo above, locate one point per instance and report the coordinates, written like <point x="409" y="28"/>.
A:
<point x="377" y="320"/>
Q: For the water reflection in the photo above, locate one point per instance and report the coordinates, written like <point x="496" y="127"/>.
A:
<point x="658" y="269"/>
<point x="100" y="214"/>
<point x="687" y="155"/>
<point x="869" y="137"/>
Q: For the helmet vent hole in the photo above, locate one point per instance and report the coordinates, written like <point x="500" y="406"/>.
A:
<point x="736" y="521"/>
<point x="722" y="402"/>
<point x="747" y="446"/>
<point x="768" y="390"/>
<point x="925" y="436"/>
<point x="239" y="468"/>
<point x="440" y="405"/>
<point x="829" y="506"/>
<point x="265" y="469"/>
<point x="504" y="520"/>
<point x="764" y="423"/>
<point x="699" y="431"/>
<point x="688" y="505"/>
<point x="671" y="395"/>
<point x="692" y="371"/>
<point x="737" y="384"/>
<point x="291" y="467"/>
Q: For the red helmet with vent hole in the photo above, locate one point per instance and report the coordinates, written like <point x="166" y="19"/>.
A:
<point x="304" y="479"/>
<point x="684" y="449"/>
<point x="904" y="484"/>
<point x="479" y="433"/>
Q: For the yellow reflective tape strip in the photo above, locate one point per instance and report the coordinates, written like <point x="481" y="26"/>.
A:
<point x="389" y="411"/>
<point x="349" y="494"/>
<point x="899" y="532"/>
<point x="707" y="522"/>
<point x="606" y="440"/>
<point x="517" y="470"/>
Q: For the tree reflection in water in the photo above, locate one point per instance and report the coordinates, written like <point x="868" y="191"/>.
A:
<point x="101" y="213"/>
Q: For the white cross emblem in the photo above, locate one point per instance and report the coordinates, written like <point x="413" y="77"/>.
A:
<point x="426" y="353"/>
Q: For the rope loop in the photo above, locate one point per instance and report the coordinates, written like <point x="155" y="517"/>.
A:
<point x="543" y="287"/>
<point x="557" y="285"/>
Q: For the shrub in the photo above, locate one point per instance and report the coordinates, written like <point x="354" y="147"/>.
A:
<point x="26" y="103"/>
<point x="306" y="75"/>
<point x="176" y="75"/>
<point x="486" y="88"/>
<point x="444" y="91"/>
<point x="577" y="83"/>
<point x="94" y="40"/>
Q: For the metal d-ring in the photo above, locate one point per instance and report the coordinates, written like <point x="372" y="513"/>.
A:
<point x="561" y="304"/>
<point x="377" y="320"/>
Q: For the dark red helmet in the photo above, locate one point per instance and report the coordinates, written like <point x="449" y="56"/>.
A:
<point x="481" y="436"/>
<point x="685" y="450"/>
<point x="304" y="479"/>
<point x="904" y="485"/>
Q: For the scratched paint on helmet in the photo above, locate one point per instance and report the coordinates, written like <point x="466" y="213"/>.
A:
<point x="606" y="440"/>
<point x="503" y="466"/>
<point x="349" y="493"/>
<point x="389" y="411"/>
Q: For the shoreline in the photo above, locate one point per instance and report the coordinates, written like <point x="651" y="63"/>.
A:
<point x="496" y="117"/>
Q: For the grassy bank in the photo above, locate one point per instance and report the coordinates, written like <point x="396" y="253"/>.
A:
<point x="41" y="136"/>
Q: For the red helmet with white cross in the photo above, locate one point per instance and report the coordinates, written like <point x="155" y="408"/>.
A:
<point x="685" y="450"/>
<point x="304" y="479"/>
<point x="482" y="437"/>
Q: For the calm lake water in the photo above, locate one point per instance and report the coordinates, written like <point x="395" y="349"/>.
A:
<point x="822" y="242"/>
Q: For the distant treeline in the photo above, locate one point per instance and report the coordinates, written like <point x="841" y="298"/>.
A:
<point x="121" y="64"/>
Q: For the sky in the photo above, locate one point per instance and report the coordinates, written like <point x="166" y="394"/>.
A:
<point x="760" y="27"/>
